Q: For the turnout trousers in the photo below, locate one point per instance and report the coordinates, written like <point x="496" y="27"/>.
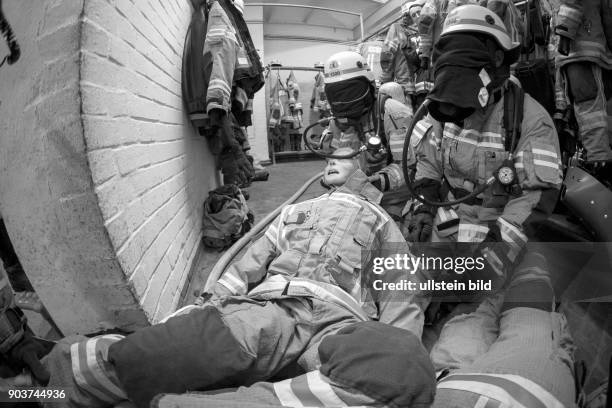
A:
<point x="227" y="342"/>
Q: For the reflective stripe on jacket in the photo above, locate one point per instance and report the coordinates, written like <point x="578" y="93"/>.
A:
<point x="468" y="156"/>
<point x="589" y="24"/>
<point x="221" y="48"/>
<point x="394" y="65"/>
<point x="397" y="118"/>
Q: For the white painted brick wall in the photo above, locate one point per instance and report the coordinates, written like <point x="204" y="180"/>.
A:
<point x="150" y="170"/>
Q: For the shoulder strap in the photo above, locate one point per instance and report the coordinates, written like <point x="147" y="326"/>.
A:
<point x="514" y="99"/>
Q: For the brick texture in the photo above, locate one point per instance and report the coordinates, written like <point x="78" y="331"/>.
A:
<point x="151" y="172"/>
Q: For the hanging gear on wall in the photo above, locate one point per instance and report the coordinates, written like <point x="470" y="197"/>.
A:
<point x="221" y="73"/>
<point x="318" y="100"/>
<point x="295" y="106"/>
<point x="276" y="107"/>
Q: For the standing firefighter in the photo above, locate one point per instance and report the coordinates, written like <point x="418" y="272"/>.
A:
<point x="398" y="58"/>
<point x="585" y="62"/>
<point x="485" y="142"/>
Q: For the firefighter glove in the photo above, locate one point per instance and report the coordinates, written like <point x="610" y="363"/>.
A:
<point x="27" y="353"/>
<point x="420" y="226"/>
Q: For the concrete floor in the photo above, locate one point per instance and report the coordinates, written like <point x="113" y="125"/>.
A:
<point x="265" y="196"/>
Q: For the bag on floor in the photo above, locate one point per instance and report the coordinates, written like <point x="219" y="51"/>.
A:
<point x="226" y="217"/>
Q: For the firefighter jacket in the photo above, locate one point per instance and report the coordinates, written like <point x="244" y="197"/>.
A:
<point x="397" y="119"/>
<point x="219" y="57"/>
<point x="324" y="245"/>
<point x="467" y="156"/>
<point x="278" y="97"/>
<point x="589" y="24"/>
<point x="318" y="100"/>
<point x="434" y="13"/>
<point x="371" y="51"/>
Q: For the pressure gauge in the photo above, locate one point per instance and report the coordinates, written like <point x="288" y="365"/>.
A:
<point x="506" y="174"/>
<point x="374" y="143"/>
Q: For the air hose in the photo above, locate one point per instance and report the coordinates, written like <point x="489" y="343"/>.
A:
<point x="420" y="114"/>
<point x="308" y="144"/>
<point x="231" y="253"/>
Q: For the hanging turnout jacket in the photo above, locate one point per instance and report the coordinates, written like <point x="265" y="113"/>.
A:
<point x="318" y="100"/>
<point x="277" y="110"/>
<point x="219" y="59"/>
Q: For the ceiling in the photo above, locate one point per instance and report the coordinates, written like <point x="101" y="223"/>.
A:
<point x="330" y="15"/>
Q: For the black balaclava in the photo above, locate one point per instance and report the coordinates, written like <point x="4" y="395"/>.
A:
<point x="465" y="75"/>
<point x="351" y="98"/>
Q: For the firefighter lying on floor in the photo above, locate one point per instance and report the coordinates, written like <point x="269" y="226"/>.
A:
<point x="307" y="278"/>
<point x="514" y="350"/>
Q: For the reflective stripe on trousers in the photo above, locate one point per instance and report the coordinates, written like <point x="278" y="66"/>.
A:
<point x="280" y="285"/>
<point x="512" y="391"/>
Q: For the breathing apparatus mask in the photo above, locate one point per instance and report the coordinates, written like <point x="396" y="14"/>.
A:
<point x="350" y="99"/>
<point x="351" y="94"/>
<point x="465" y="76"/>
<point x="352" y="102"/>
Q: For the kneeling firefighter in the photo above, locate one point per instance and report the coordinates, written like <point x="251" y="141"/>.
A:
<point x="486" y="146"/>
<point x="351" y="92"/>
